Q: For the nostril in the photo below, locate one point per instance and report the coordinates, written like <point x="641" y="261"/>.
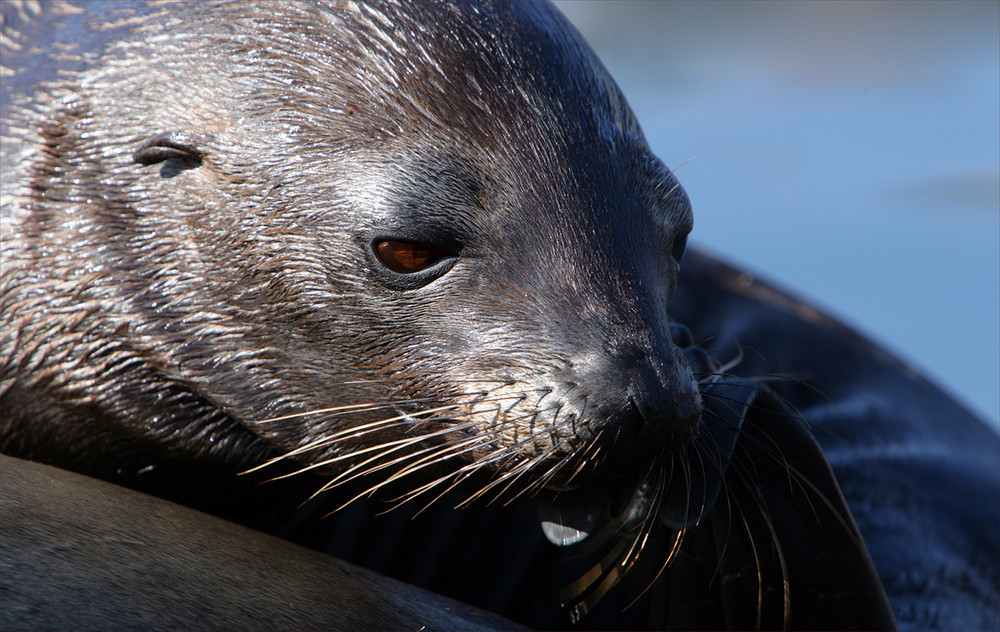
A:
<point x="643" y="400"/>
<point x="688" y="413"/>
<point x="653" y="429"/>
<point x="667" y="422"/>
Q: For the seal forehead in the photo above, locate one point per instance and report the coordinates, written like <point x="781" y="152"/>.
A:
<point x="350" y="71"/>
<point x="509" y="89"/>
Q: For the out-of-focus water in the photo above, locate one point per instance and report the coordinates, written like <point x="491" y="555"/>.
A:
<point x="848" y="151"/>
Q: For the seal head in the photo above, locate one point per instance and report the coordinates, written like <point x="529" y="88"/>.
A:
<point x="326" y="231"/>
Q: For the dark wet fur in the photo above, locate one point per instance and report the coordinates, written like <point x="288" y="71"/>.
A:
<point x="729" y="570"/>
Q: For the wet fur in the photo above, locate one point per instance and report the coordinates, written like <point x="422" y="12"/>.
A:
<point x="187" y="279"/>
<point x="198" y="304"/>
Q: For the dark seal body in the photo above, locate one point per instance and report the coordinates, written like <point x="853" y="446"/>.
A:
<point x="81" y="554"/>
<point x="425" y="247"/>
<point x="920" y="472"/>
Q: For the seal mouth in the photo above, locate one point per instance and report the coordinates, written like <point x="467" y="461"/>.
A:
<point x="678" y="480"/>
<point x="674" y="491"/>
<point x="679" y="487"/>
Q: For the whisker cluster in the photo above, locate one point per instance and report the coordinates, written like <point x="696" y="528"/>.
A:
<point x="428" y="448"/>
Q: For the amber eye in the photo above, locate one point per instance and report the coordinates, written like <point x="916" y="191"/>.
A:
<point x="407" y="256"/>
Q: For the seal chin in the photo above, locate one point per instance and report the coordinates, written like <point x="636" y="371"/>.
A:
<point x="650" y="474"/>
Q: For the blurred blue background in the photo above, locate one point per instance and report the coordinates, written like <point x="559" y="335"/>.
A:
<point x="849" y="151"/>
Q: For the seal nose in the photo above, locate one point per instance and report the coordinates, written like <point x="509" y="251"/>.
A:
<point x="665" y="412"/>
<point x="658" y="405"/>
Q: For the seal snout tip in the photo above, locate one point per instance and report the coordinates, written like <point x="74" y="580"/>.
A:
<point x="666" y="423"/>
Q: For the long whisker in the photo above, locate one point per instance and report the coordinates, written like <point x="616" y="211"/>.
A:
<point x="381" y="450"/>
<point x="441" y="455"/>
<point x="406" y="419"/>
<point x="459" y="476"/>
<point x="464" y="472"/>
<point x="513" y="475"/>
<point x="352" y="433"/>
<point x="347" y="408"/>
<point x="426" y="458"/>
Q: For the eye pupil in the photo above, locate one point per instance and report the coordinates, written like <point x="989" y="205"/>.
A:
<point x="406" y="256"/>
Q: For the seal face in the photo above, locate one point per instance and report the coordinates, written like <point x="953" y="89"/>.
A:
<point x="374" y="240"/>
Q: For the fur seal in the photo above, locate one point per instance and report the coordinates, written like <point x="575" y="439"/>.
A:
<point x="235" y="270"/>
<point x="298" y="247"/>
<point x="397" y="245"/>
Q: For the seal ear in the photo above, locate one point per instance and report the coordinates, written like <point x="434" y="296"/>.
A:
<point x="185" y="146"/>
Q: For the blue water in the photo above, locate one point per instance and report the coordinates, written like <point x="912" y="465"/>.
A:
<point x="848" y="151"/>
